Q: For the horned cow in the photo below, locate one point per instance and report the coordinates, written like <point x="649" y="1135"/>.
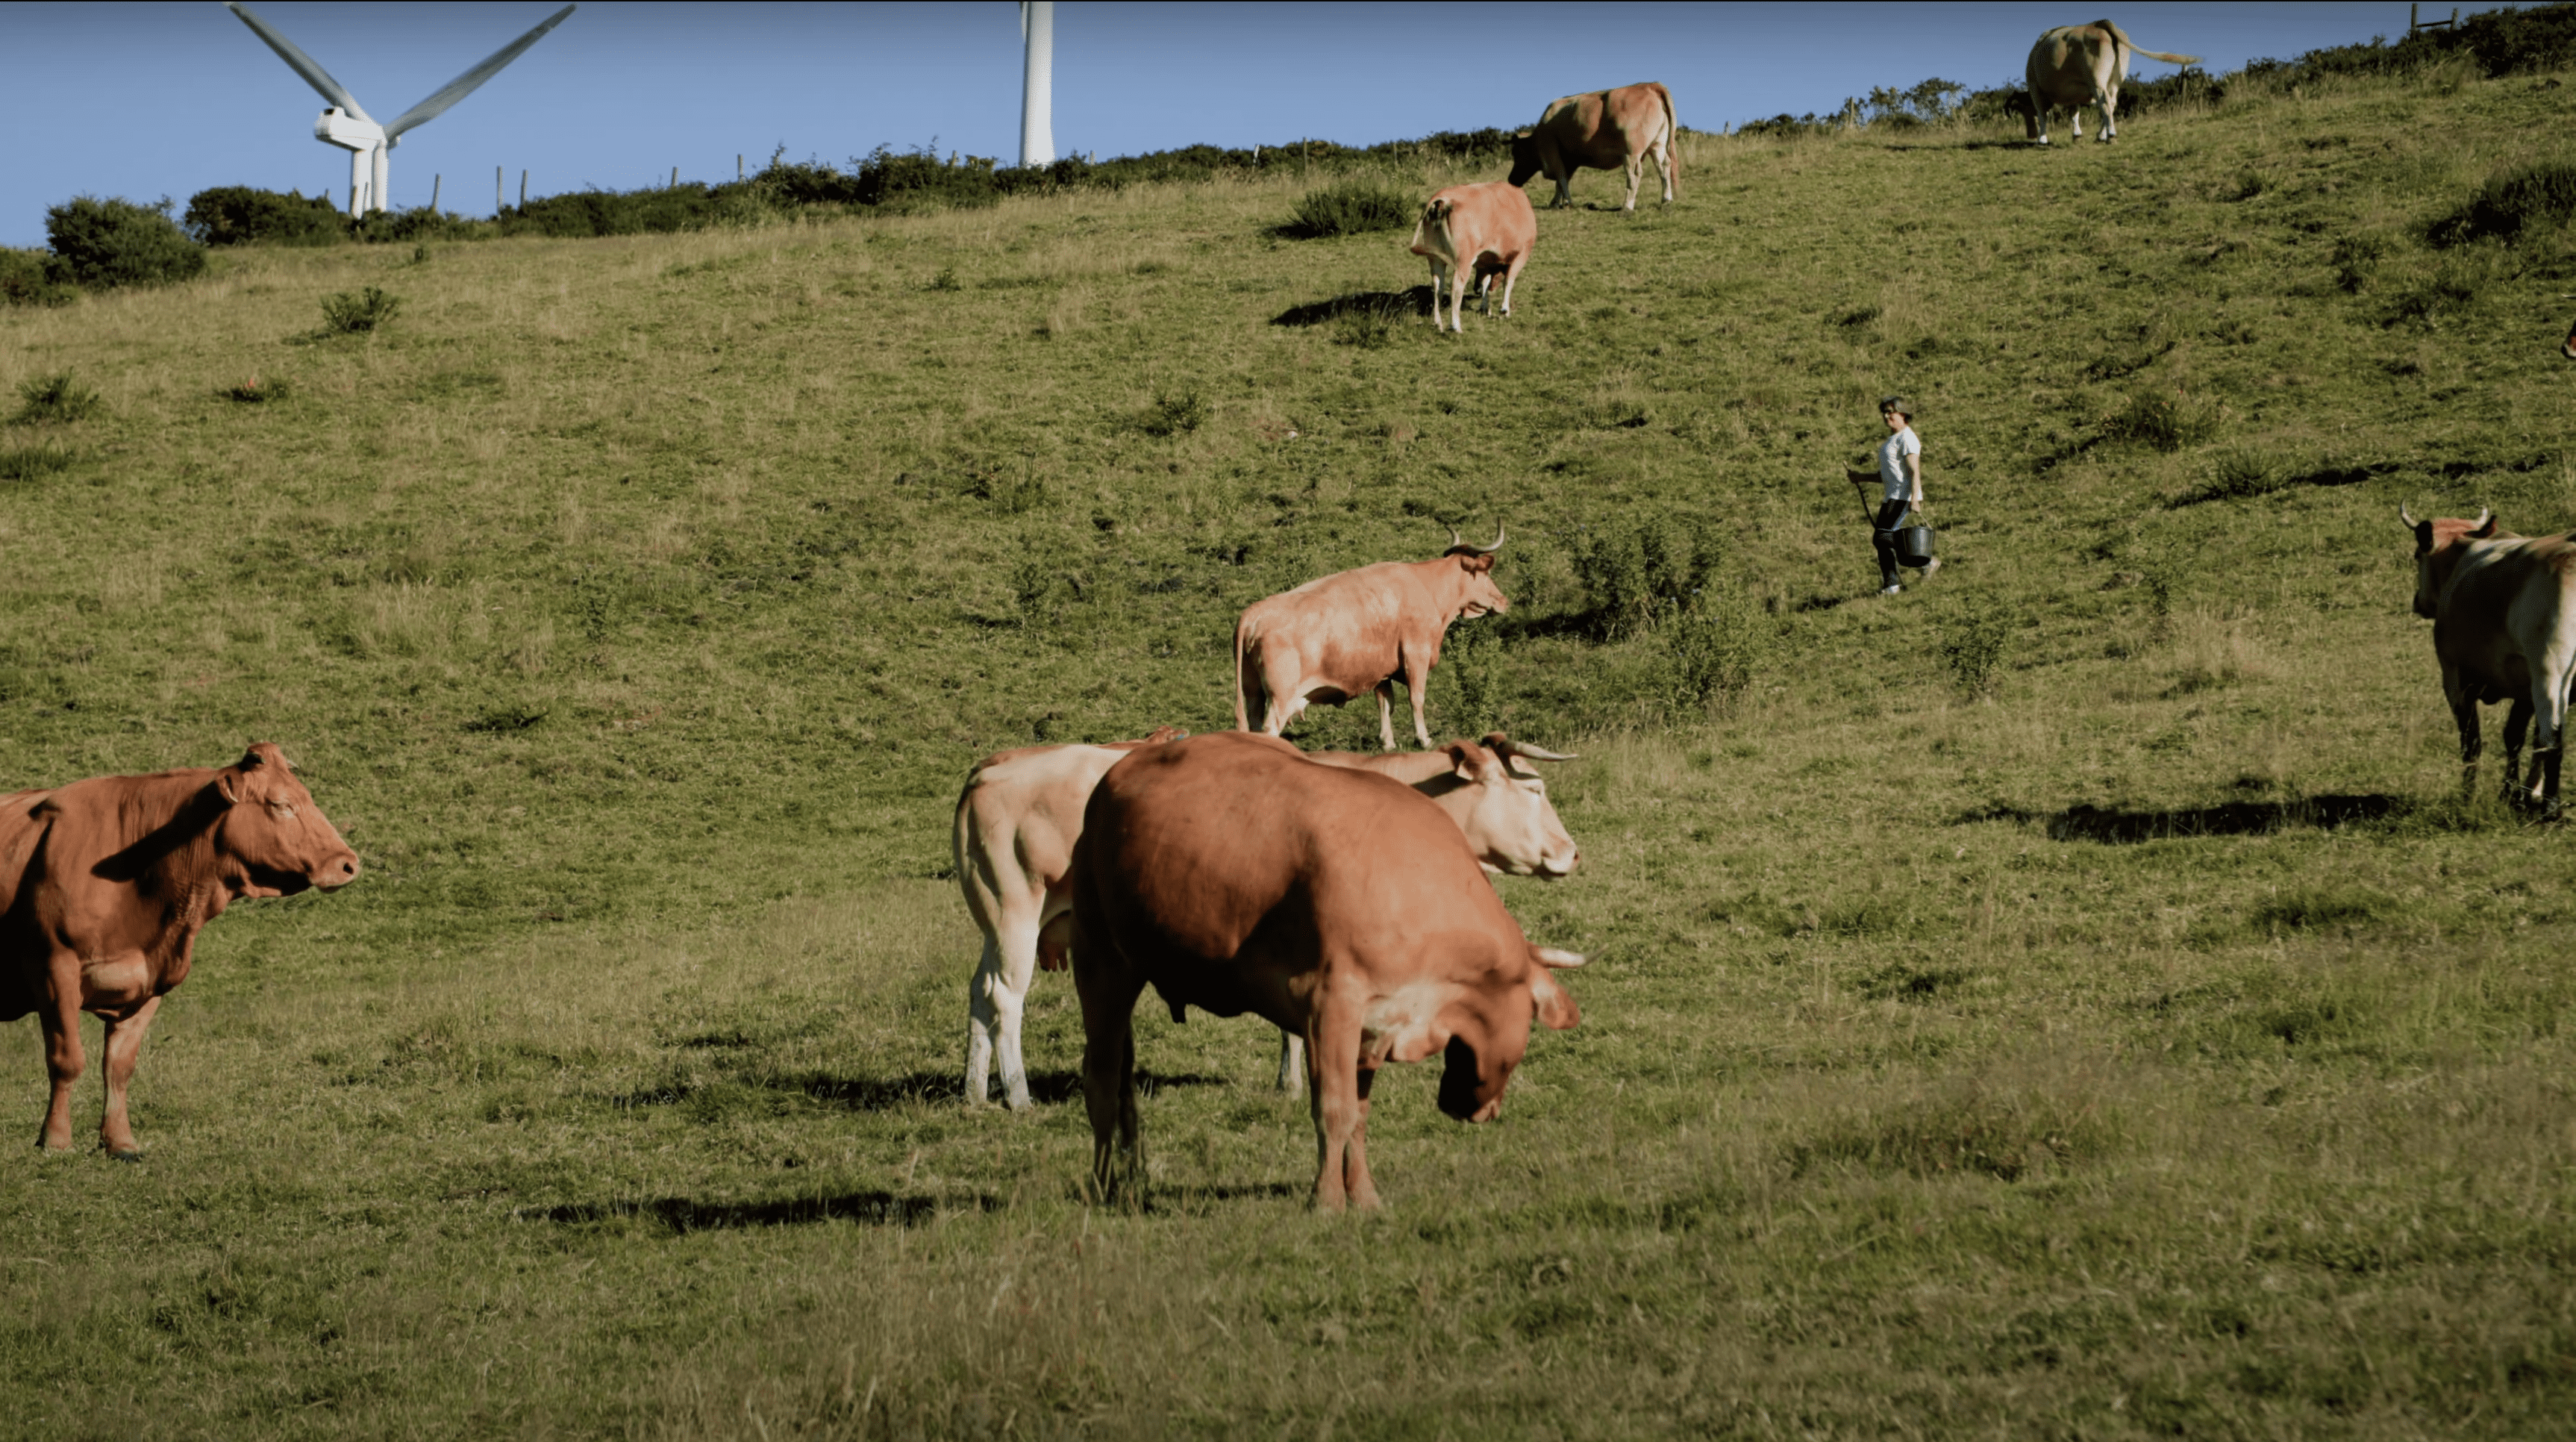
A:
<point x="1342" y="635"/>
<point x="2503" y="609"/>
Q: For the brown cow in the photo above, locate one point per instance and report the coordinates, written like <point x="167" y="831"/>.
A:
<point x="2073" y="66"/>
<point x="1342" y="635"/>
<point x="2503" y="609"/>
<point x="1477" y="231"/>
<point x="2567" y="347"/>
<point x="1605" y="130"/>
<point x="105" y="883"/>
<point x="1351" y="914"/>
<point x="1017" y="821"/>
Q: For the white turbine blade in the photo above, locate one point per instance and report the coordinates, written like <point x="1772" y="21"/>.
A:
<point x="301" y="63"/>
<point x="466" y="84"/>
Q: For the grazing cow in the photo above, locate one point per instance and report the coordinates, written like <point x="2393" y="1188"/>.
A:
<point x="2567" y="347"/>
<point x="1605" y="130"/>
<point x="1351" y="914"/>
<point x="2503" y="609"/>
<point x="2073" y="66"/>
<point x="105" y="883"/>
<point x="1477" y="231"/>
<point x="1342" y="635"/>
<point x="1017" y="821"/>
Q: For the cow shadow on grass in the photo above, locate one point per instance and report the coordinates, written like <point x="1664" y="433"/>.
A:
<point x="1373" y="304"/>
<point x="877" y="1094"/>
<point x="682" y="1215"/>
<point x="2119" y="826"/>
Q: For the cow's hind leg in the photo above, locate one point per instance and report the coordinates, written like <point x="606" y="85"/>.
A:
<point x="1292" y="1064"/>
<point x="1512" y="273"/>
<point x="2464" y="711"/>
<point x="123" y="1045"/>
<point x="981" y="1020"/>
<point x="64" y="1064"/>
<point x="1015" y="966"/>
<point x="1386" y="714"/>
<point x="2517" y="723"/>
<point x="1636" y="171"/>
<point x="2548" y="730"/>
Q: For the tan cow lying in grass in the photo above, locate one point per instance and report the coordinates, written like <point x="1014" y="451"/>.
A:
<point x="1478" y="231"/>
<point x="105" y="883"/>
<point x="1353" y="916"/>
<point x="1351" y="632"/>
<point x="1604" y="130"/>
<point x="2073" y="66"/>
<point x="2503" y="609"/>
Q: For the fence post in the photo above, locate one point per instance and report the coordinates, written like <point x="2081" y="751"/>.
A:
<point x="737" y="166"/>
<point x="675" y="177"/>
<point x="497" y="192"/>
<point x="433" y="192"/>
<point x="523" y="190"/>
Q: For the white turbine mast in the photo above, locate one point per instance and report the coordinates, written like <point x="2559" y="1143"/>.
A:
<point x="347" y="124"/>
<point x="1037" y="83"/>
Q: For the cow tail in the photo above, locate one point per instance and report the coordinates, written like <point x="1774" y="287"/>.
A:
<point x="1240" y="700"/>
<point x="1672" y="140"/>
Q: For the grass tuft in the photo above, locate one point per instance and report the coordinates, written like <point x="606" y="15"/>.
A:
<point x="55" y="399"/>
<point x="2509" y="205"/>
<point x="1355" y="206"/>
<point x="357" y="313"/>
<point x="28" y="463"/>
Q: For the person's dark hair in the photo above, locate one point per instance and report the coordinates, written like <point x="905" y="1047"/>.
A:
<point x="1897" y="404"/>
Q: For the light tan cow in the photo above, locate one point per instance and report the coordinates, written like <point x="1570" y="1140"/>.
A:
<point x="2503" y="609"/>
<point x="1470" y="234"/>
<point x="1340" y="636"/>
<point x="2073" y="66"/>
<point x="1603" y="130"/>
<point x="1017" y="821"/>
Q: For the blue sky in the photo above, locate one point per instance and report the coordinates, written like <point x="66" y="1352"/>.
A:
<point x="146" y="100"/>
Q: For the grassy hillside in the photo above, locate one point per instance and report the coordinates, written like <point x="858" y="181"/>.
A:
<point x="2146" y="1040"/>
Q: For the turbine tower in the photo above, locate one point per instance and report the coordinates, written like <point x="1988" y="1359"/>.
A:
<point x="347" y="124"/>
<point x="1037" y="83"/>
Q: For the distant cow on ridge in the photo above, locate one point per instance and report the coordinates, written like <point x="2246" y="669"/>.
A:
<point x="105" y="883"/>
<point x="1604" y="130"/>
<point x="2073" y="66"/>
<point x="1341" y="635"/>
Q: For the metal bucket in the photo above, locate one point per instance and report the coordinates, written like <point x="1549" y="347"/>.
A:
<point x="1913" y="545"/>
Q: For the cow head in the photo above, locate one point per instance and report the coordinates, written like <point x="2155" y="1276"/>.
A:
<point x="1489" y="1031"/>
<point x="2022" y="105"/>
<point x="272" y="840"/>
<point x="1512" y="827"/>
<point x="1525" y="162"/>
<point x="2439" y="544"/>
<point x="1477" y="595"/>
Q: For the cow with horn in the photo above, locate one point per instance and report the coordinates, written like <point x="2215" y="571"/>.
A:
<point x="2503" y="609"/>
<point x="1343" y="635"/>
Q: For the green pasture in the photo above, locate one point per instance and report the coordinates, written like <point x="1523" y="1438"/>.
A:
<point x="2071" y="999"/>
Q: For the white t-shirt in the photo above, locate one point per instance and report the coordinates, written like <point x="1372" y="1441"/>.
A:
<point x="1891" y="463"/>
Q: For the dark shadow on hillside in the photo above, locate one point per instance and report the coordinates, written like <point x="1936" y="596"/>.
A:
<point x="682" y="1215"/>
<point x="1169" y="1198"/>
<point x="876" y="1094"/>
<point x="2118" y="827"/>
<point x="1385" y="304"/>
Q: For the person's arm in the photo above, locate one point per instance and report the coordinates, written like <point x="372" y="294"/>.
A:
<point x="1914" y="468"/>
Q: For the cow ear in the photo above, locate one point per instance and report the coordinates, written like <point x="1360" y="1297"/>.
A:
<point x="228" y="786"/>
<point x="1463" y="760"/>
<point x="1554" y="1005"/>
<point x="2485" y="529"/>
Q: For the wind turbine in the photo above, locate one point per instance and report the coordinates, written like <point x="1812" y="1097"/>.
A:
<point x="1037" y="83"/>
<point x="347" y="124"/>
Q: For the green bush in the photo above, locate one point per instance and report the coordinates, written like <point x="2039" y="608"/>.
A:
<point x="104" y="243"/>
<point x="1176" y="413"/>
<point x="1353" y="207"/>
<point x="31" y="277"/>
<point x="27" y="463"/>
<point x="1712" y="651"/>
<point x="1469" y="659"/>
<point x="54" y="398"/>
<point x="1972" y="647"/>
<point x="347" y="314"/>
<point x="1634" y="574"/>
<point x="2161" y="422"/>
<point x="247" y="215"/>
<point x="2510" y="203"/>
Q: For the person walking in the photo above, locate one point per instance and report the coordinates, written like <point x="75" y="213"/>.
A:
<point x="1900" y="476"/>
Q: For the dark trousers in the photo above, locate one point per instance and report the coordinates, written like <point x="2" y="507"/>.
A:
<point x="1891" y="514"/>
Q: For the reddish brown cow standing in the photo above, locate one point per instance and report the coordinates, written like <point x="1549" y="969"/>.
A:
<point x="1017" y="821"/>
<point x="105" y="883"/>
<point x="2503" y="609"/>
<point x="1477" y="231"/>
<point x="2073" y="66"/>
<point x="1351" y="632"/>
<point x="1231" y="874"/>
<point x="1604" y="130"/>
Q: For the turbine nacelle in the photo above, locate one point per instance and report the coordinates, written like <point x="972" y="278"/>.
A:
<point x="349" y="132"/>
